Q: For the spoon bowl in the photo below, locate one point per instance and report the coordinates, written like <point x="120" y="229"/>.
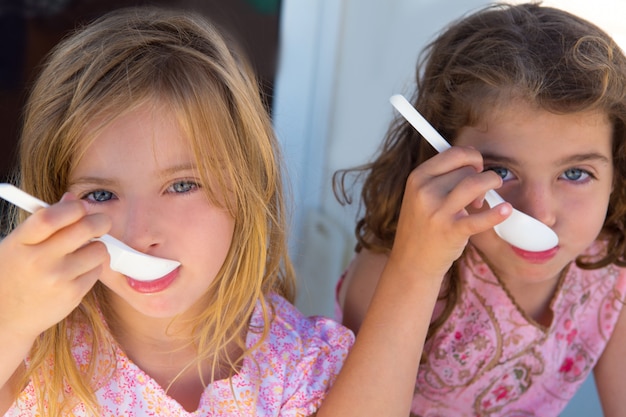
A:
<point x="124" y="259"/>
<point x="519" y="229"/>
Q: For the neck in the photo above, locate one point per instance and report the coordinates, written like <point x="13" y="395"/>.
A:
<point x="164" y="349"/>
<point x="532" y="297"/>
<point x="535" y="298"/>
<point x="133" y="329"/>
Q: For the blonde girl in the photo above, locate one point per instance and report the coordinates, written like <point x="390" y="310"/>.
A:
<point x="147" y="125"/>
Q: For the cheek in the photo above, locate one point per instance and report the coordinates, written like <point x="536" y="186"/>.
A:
<point x="584" y="219"/>
<point x="485" y="239"/>
<point x="226" y="237"/>
<point x="213" y="241"/>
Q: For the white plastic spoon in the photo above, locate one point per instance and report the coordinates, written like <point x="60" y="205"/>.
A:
<point x="124" y="259"/>
<point x="519" y="229"/>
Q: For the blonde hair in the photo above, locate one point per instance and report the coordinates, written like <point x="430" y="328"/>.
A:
<point x="180" y="60"/>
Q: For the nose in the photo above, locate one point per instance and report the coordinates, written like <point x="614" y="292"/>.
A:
<point x="137" y="224"/>
<point x="536" y="200"/>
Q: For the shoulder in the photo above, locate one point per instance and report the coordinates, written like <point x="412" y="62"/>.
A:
<point x="298" y="359"/>
<point x="358" y="285"/>
<point x="364" y="270"/>
<point x="611" y="277"/>
<point x="289" y="326"/>
<point x="295" y="341"/>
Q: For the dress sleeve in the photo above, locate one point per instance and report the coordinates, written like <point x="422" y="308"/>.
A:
<point x="325" y="346"/>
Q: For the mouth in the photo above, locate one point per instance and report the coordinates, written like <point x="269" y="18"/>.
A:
<point x="157" y="285"/>
<point x="536" y="257"/>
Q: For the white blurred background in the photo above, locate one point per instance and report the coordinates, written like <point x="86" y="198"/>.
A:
<point x="340" y="62"/>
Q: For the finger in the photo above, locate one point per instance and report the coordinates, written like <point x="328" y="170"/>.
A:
<point x="441" y="186"/>
<point x="45" y="222"/>
<point x="51" y="267"/>
<point x="82" y="284"/>
<point x="452" y="159"/>
<point x="75" y="235"/>
<point x="471" y="190"/>
<point x="484" y="220"/>
<point x="73" y="291"/>
<point x="86" y="258"/>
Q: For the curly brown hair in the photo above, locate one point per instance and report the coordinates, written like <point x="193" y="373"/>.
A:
<point x="547" y="57"/>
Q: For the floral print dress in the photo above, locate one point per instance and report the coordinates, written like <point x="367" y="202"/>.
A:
<point x="490" y="359"/>
<point x="288" y="375"/>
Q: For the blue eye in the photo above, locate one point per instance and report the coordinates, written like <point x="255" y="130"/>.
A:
<point x="502" y="172"/>
<point x="99" y="196"/>
<point x="576" y="174"/>
<point x="183" y="186"/>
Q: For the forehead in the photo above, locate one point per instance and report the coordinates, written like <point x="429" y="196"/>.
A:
<point x="142" y="133"/>
<point x="520" y="128"/>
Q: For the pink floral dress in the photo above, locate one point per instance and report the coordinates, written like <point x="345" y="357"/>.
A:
<point x="289" y="374"/>
<point x="490" y="359"/>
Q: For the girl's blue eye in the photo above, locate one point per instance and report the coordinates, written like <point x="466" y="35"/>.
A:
<point x="576" y="174"/>
<point x="502" y="172"/>
<point x="99" y="196"/>
<point x="183" y="186"/>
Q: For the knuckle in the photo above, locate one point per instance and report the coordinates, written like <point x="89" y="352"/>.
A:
<point x="44" y="218"/>
<point x="101" y="252"/>
<point x="94" y="253"/>
<point x="464" y="153"/>
<point x="414" y="180"/>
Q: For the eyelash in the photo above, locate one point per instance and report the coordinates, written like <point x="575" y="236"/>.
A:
<point x="189" y="184"/>
<point x="496" y="169"/>
<point x="583" y="172"/>
<point x="194" y="185"/>
<point x="89" y="196"/>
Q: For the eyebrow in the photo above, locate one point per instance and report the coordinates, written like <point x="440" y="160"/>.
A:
<point x="585" y="157"/>
<point x="93" y="180"/>
<point x="578" y="158"/>
<point x="178" y="168"/>
<point x="109" y="182"/>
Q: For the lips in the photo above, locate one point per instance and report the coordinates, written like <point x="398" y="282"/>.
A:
<point x="157" y="285"/>
<point x="536" y="257"/>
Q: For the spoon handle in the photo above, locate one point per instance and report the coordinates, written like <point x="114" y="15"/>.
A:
<point x="431" y="135"/>
<point x="31" y="204"/>
<point x="21" y="199"/>
<point x="420" y="124"/>
<point x="493" y="198"/>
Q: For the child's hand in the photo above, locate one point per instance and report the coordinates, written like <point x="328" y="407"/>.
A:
<point x="434" y="225"/>
<point x="47" y="268"/>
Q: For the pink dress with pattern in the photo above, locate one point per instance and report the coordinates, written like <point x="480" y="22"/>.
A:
<point x="297" y="363"/>
<point x="490" y="359"/>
